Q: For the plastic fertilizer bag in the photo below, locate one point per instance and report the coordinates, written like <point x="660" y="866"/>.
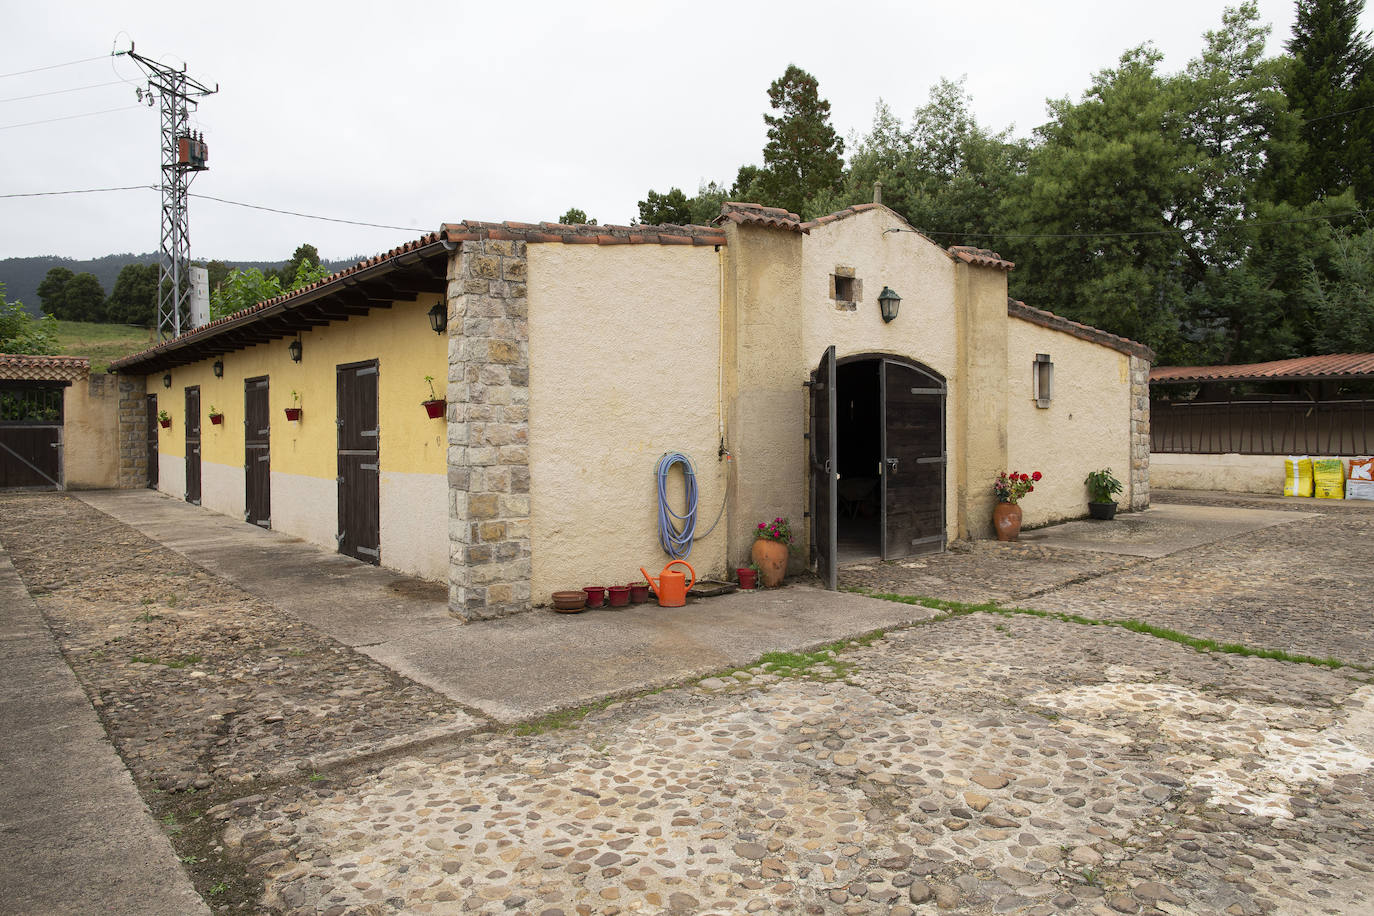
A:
<point x="1360" y="483"/>
<point x="1328" y="478"/>
<point x="1297" y="476"/>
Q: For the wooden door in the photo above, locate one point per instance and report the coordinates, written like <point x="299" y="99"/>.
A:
<point x="359" y="480"/>
<point x="257" y="463"/>
<point x="824" y="493"/>
<point x="913" y="466"/>
<point x="152" y="441"/>
<point x="193" y="444"/>
<point x="30" y="435"/>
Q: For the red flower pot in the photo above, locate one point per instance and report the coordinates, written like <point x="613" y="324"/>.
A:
<point x="596" y="595"/>
<point x="435" y="408"/>
<point x="748" y="578"/>
<point x="639" y="594"/>
<point x="293" y="413"/>
<point x="216" y="418"/>
<point x="619" y="595"/>
<point x="165" y="424"/>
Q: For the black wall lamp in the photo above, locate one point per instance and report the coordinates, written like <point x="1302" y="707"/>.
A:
<point x="438" y="317"/>
<point x="167" y="380"/>
<point x="889" y="302"/>
<point x="218" y="367"/>
<point x="295" y="350"/>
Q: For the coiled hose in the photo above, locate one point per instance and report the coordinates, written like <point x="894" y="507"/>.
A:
<point x="677" y="542"/>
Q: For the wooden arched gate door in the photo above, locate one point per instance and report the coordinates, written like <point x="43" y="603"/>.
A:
<point x="877" y="445"/>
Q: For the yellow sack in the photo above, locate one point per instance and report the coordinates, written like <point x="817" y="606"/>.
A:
<point x="1297" y="476"/>
<point x="1328" y="476"/>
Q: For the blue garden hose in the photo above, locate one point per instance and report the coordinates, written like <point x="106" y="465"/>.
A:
<point x="677" y="543"/>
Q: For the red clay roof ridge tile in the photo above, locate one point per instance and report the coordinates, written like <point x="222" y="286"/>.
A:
<point x="980" y="257"/>
<point x="1018" y="309"/>
<point x="1329" y="365"/>
<point x="30" y="367"/>
<point x="583" y="234"/>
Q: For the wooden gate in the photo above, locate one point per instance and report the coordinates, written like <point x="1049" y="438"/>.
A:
<point x="152" y="441"/>
<point x="31" y="435"/>
<point x="359" y="479"/>
<point x="913" y="469"/>
<point x="193" y="444"/>
<point x="824" y="478"/>
<point x="257" y="464"/>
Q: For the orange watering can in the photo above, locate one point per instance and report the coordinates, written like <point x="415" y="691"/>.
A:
<point x="671" y="587"/>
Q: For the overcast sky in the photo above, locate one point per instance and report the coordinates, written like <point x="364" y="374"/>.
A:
<point x="410" y="115"/>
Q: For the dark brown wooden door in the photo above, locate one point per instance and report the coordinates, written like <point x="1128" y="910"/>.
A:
<point x="193" y="444"/>
<point x="913" y="467"/>
<point x="30" y="435"/>
<point x="152" y="441"/>
<point x="824" y="477"/>
<point x="359" y="491"/>
<point x="257" y="463"/>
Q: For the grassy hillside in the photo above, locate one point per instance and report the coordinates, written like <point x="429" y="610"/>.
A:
<point x="101" y="342"/>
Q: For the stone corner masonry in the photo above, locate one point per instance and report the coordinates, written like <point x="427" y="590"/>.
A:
<point x="488" y="430"/>
<point x="133" y="432"/>
<point x="1139" y="482"/>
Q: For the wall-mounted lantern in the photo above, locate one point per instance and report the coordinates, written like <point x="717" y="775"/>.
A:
<point x="295" y="350"/>
<point x="218" y="367"/>
<point x="889" y="302"/>
<point x="167" y="380"/>
<point x="438" y="317"/>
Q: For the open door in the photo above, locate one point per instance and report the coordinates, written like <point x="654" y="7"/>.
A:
<point x="359" y="451"/>
<point x="257" y="454"/>
<point x="824" y="493"/>
<point x="913" y="465"/>
<point x="192" y="426"/>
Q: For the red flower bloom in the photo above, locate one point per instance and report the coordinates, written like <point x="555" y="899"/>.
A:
<point x="1035" y="476"/>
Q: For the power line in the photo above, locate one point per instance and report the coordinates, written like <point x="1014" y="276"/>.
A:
<point x="89" y="114"/>
<point x="328" y="219"/>
<point x="70" y="63"/>
<point x="39" y="95"/>
<point x="1337" y="114"/>
<point x="132" y="187"/>
<point x="1147" y="232"/>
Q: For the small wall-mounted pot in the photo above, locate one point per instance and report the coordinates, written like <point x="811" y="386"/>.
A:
<point x="216" y="418"/>
<point x="165" y="424"/>
<point x="293" y="413"/>
<point x="435" y="407"/>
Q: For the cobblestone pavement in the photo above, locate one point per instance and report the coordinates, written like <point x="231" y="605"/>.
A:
<point x="977" y="764"/>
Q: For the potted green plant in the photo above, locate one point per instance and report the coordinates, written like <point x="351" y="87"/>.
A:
<point x="1102" y="486"/>
<point x="294" y="411"/>
<point x="1009" y="487"/>
<point x="164" y="419"/>
<point x="216" y="416"/>
<point x="435" y="405"/>
<point x="772" y="546"/>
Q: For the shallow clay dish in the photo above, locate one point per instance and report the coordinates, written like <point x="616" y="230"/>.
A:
<point x="569" y="602"/>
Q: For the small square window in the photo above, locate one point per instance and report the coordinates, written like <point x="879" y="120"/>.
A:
<point x="844" y="289"/>
<point x="1042" y="380"/>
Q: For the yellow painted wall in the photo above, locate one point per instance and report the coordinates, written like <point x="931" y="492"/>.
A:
<point x="1085" y="428"/>
<point x="90" y="433"/>
<point x="406" y="350"/>
<point x="623" y="345"/>
<point x="1229" y="473"/>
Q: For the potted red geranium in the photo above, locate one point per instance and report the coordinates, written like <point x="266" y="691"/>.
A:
<point x="1009" y="487"/>
<point x="772" y="545"/>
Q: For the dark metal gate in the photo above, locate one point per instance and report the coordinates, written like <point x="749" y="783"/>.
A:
<point x="193" y="444"/>
<point x="152" y="434"/>
<point x="31" y="435"/>
<point x="359" y="480"/>
<point x="257" y="464"/>
<point x="824" y="492"/>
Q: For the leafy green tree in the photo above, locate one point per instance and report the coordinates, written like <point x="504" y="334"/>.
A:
<point x="803" y="157"/>
<point x="705" y="206"/>
<point x="665" y="209"/>
<point x="133" y="300"/>
<point x="1330" y="86"/>
<point x="243" y="289"/>
<point x="1341" y="296"/>
<point x="52" y="290"/>
<point x="83" y="299"/>
<point x="576" y="217"/>
<point x="20" y="332"/>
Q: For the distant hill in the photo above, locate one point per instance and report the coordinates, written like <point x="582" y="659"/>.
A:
<point x="21" y="276"/>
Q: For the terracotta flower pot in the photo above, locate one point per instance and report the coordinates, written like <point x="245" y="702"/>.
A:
<point x="293" y="413"/>
<point x="435" y="408"/>
<point x="1006" y="518"/>
<point x="619" y="595"/>
<point x="596" y="595"/>
<point x="771" y="559"/>
<point x="748" y="578"/>
<point x="639" y="593"/>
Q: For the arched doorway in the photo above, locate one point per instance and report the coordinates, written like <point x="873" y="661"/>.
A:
<point x="878" y="460"/>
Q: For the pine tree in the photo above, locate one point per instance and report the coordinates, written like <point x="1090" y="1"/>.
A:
<point x="804" y="156"/>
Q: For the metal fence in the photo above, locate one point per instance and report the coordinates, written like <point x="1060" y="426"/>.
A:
<point x="1257" y="427"/>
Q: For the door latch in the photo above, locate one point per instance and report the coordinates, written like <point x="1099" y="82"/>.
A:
<point x="892" y="465"/>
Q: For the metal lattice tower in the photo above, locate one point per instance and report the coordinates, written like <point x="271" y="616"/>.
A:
<point x="182" y="156"/>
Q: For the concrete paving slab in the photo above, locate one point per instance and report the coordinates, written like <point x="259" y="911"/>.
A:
<point x="75" y="837"/>
<point x="513" y="668"/>
<point x="1160" y="530"/>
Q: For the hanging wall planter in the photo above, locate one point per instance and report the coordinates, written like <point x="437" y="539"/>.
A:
<point x="293" y="413"/>
<point x="216" y="419"/>
<point x="435" y="407"/>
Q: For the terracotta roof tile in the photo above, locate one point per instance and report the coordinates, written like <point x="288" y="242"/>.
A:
<point x="545" y="233"/>
<point x="845" y="214"/>
<point x="1330" y="366"/>
<point x="22" y="367"/>
<point x="1017" y="309"/>
<point x="758" y="215"/>
<point x="980" y="257"/>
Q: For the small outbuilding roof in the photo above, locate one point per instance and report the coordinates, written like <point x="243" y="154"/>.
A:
<point x="22" y="367"/>
<point x="1304" y="368"/>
